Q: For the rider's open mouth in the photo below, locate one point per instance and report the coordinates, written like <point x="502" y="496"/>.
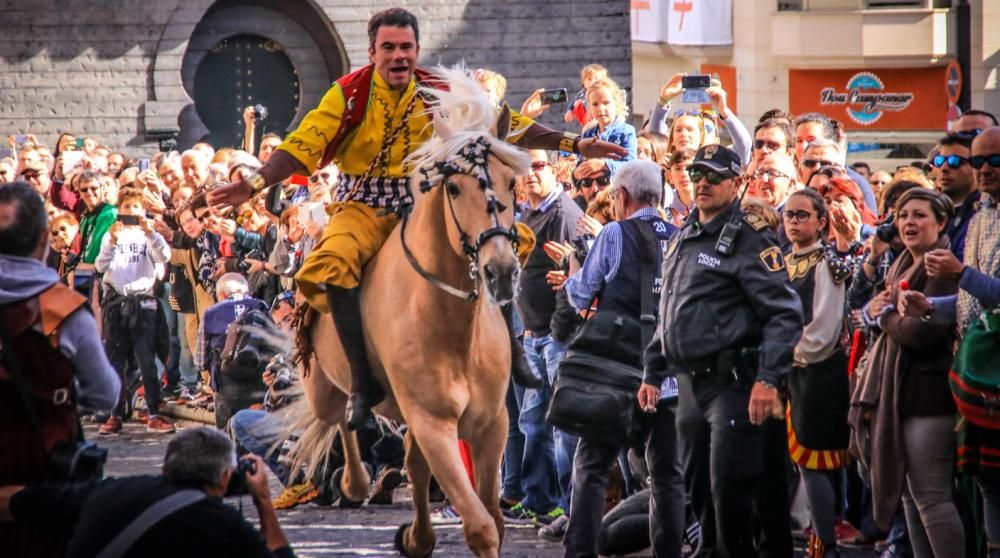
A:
<point x="399" y="69"/>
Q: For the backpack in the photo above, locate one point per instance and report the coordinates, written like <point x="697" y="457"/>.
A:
<point x="975" y="374"/>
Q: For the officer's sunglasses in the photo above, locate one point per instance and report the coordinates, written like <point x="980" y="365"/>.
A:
<point x="713" y="178"/>
<point x="977" y="161"/>
<point x="600" y="182"/>
<point x="953" y="161"/>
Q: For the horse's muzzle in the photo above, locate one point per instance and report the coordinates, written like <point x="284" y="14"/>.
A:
<point x="501" y="281"/>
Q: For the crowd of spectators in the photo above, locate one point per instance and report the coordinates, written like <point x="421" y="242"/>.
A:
<point x="892" y="266"/>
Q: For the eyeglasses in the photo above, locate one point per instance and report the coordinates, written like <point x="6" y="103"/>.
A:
<point x="697" y="112"/>
<point x="800" y="216"/>
<point x="968" y="134"/>
<point x="91" y="189"/>
<point x="813" y="163"/>
<point x="769" y="175"/>
<point x="31" y="175"/>
<point x="713" y="178"/>
<point x="316" y="177"/>
<point x="953" y="161"/>
<point x="60" y="229"/>
<point x="977" y="161"/>
<point x="285" y="296"/>
<point x="539" y="165"/>
<point x="767" y="144"/>
<point x="600" y="181"/>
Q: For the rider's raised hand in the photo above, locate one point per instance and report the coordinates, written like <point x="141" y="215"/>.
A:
<point x="595" y="148"/>
<point x="233" y="193"/>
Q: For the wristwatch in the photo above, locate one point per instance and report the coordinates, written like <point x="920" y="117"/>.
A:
<point x="930" y="311"/>
<point x="257" y="182"/>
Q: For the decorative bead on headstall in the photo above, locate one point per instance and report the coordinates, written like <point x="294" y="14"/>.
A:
<point x="471" y="160"/>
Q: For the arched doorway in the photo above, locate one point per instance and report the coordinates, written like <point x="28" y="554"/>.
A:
<point x="240" y="71"/>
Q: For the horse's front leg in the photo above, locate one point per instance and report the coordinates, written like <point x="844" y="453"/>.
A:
<point x="417" y="539"/>
<point x="487" y="453"/>
<point x="438" y="441"/>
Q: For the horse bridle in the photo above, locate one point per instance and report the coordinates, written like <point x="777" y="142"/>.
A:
<point x="470" y="160"/>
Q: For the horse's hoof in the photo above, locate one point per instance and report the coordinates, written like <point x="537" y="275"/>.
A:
<point x="401" y="547"/>
<point x="343" y="501"/>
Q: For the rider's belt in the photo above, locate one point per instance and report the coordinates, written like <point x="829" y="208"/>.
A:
<point x="389" y="192"/>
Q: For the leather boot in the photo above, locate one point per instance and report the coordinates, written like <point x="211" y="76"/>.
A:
<point x="345" y="306"/>
<point x="520" y="370"/>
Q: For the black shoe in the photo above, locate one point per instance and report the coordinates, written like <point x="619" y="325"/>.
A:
<point x="345" y="306"/>
<point x="520" y="370"/>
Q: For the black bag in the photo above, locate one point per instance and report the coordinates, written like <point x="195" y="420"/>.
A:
<point x="595" y="394"/>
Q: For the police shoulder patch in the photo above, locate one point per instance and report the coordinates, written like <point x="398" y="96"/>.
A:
<point x="755" y="221"/>
<point x="771" y="258"/>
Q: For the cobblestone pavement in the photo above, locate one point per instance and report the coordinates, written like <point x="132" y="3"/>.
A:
<point x="317" y="531"/>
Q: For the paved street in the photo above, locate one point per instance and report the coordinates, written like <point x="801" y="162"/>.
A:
<point x="331" y="531"/>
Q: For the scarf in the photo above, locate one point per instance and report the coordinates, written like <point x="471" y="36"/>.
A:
<point x="876" y="428"/>
<point x="207" y="245"/>
<point x="982" y="253"/>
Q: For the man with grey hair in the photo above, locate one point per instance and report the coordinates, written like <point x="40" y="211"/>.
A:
<point x="197" y="469"/>
<point x="194" y="165"/>
<point x="612" y="274"/>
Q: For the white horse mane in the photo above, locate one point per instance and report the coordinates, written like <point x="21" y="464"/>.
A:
<point x="461" y="115"/>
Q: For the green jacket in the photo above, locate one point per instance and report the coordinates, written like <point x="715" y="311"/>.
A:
<point x="93" y="227"/>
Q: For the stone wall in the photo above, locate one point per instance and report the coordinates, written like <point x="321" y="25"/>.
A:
<point x="119" y="68"/>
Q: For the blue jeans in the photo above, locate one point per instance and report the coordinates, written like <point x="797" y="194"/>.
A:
<point x="548" y="453"/>
<point x="258" y="432"/>
<point x="189" y="376"/>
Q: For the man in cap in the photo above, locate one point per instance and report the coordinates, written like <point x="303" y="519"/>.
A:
<point x="728" y="325"/>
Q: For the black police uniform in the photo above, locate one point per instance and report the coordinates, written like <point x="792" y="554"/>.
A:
<point x="726" y="321"/>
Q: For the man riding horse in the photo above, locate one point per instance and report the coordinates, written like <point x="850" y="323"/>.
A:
<point x="369" y="122"/>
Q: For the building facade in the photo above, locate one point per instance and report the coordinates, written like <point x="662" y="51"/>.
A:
<point x="129" y="72"/>
<point x="885" y="68"/>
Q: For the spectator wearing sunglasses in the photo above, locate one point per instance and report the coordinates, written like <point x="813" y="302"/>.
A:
<point x="819" y="153"/>
<point x="773" y="135"/>
<point x="957" y="180"/>
<point x="973" y="122"/>
<point x="97" y="218"/>
<point x="878" y="181"/>
<point x="588" y="187"/>
<point x="37" y="175"/>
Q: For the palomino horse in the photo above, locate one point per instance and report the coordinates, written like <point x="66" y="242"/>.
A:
<point x="441" y="351"/>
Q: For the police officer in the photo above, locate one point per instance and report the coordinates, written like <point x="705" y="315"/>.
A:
<point x="613" y="270"/>
<point x="728" y="325"/>
<point x="231" y="291"/>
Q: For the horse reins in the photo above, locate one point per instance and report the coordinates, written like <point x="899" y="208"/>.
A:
<point x="470" y="160"/>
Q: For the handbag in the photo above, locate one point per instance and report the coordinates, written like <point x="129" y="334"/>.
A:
<point x="595" y="393"/>
<point x="975" y="373"/>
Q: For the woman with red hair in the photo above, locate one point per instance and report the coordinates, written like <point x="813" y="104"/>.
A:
<point x="848" y="213"/>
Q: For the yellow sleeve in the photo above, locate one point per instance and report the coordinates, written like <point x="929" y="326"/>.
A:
<point x="308" y="142"/>
<point x="519" y="124"/>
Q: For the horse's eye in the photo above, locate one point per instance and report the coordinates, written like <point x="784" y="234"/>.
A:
<point x="453" y="189"/>
<point x="501" y="207"/>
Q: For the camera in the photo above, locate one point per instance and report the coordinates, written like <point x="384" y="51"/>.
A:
<point x="259" y="113"/>
<point x="581" y="246"/>
<point x="282" y="373"/>
<point x="238" y="481"/>
<point x="887" y="230"/>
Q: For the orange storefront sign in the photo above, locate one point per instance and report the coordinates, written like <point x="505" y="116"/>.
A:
<point x="875" y="99"/>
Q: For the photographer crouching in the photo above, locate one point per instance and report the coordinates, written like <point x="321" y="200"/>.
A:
<point x="56" y="364"/>
<point x="180" y="513"/>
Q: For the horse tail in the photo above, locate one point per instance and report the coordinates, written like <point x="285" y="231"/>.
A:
<point x="310" y="455"/>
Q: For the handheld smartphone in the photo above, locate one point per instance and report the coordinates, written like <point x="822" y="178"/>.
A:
<point x="20" y="140"/>
<point x="70" y="160"/>
<point x="696" y="81"/>
<point x="79" y="143"/>
<point x="143" y="165"/>
<point x="550" y="96"/>
<point x="132" y="220"/>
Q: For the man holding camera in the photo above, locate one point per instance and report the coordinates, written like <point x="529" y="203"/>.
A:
<point x="180" y="513"/>
<point x="52" y="360"/>
<point x="728" y="325"/>
<point x="214" y="339"/>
